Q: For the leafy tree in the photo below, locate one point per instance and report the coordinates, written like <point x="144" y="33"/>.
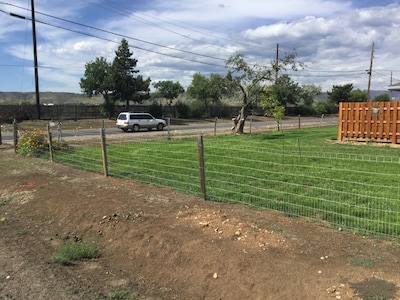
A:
<point x="340" y="93"/>
<point x="287" y="91"/>
<point x="271" y="105"/>
<point x="307" y="97"/>
<point x="218" y="88"/>
<point x="169" y="90"/>
<point x="325" y="107"/>
<point x="98" y="80"/>
<point x="115" y="81"/>
<point x="208" y="90"/>
<point x="357" y="96"/>
<point x="382" y="98"/>
<point x="247" y="78"/>
<point x="308" y="94"/>
<point x="198" y="89"/>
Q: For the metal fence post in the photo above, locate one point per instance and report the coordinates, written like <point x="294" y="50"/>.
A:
<point x="201" y="166"/>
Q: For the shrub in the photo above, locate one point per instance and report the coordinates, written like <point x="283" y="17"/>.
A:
<point x="197" y="109"/>
<point x="182" y="110"/>
<point x="32" y="143"/>
<point x="156" y="110"/>
<point x="220" y="110"/>
<point x="326" y="107"/>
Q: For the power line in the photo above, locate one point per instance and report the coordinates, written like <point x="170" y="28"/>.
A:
<point x="143" y="20"/>
<point x="112" y="33"/>
<point x="307" y="73"/>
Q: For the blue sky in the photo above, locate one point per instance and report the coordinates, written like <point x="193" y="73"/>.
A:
<point x="174" y="39"/>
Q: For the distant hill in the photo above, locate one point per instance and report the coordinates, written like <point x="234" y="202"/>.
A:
<point x="47" y="97"/>
<point x="396" y="95"/>
<point x="71" y="98"/>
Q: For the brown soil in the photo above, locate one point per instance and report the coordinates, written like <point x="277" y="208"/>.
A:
<point x="158" y="244"/>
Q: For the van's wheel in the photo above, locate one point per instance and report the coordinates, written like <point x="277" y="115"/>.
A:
<point x="135" y="128"/>
<point x="160" y="127"/>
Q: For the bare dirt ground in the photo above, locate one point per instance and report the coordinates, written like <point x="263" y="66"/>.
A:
<point x="158" y="244"/>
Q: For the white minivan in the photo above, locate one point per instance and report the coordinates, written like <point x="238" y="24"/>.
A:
<point x="136" y="121"/>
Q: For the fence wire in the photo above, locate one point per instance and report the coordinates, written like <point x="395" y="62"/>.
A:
<point x="348" y="186"/>
<point x="335" y="187"/>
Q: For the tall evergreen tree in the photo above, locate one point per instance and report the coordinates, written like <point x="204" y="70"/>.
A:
<point x="123" y="69"/>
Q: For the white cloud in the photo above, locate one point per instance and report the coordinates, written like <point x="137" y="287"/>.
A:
<point x="327" y="35"/>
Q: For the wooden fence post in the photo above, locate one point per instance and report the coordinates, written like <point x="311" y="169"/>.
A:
<point x="201" y="166"/>
<point x="394" y="119"/>
<point x="51" y="150"/>
<point x="15" y="129"/>
<point x="104" y="150"/>
<point x="169" y="126"/>
<point x="340" y="125"/>
<point x="299" y="116"/>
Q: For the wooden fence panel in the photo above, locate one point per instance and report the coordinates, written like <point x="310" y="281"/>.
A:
<point x="364" y="121"/>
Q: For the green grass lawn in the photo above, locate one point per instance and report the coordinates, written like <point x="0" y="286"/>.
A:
<point x="300" y="172"/>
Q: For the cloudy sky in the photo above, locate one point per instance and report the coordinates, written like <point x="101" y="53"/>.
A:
<point x="174" y="39"/>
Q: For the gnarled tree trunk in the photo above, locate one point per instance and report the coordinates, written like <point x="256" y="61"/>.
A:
<point x="240" y="119"/>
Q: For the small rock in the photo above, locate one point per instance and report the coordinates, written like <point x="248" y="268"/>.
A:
<point x="215" y="275"/>
<point x="331" y="290"/>
<point x="204" y="224"/>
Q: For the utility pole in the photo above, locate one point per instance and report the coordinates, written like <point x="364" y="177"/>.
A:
<point x="35" y="60"/>
<point x="370" y="72"/>
<point x="277" y="63"/>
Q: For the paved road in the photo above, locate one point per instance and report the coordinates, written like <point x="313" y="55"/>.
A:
<point x="218" y="127"/>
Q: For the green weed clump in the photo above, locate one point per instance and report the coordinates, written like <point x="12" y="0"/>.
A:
<point x="74" y="251"/>
<point x="32" y="143"/>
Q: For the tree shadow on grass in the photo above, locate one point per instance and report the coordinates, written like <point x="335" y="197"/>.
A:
<point x="375" y="289"/>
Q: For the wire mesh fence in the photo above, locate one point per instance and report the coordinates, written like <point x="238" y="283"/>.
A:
<point x="302" y="173"/>
<point x="360" y="194"/>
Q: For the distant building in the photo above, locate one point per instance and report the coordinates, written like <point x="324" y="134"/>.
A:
<point x="394" y="87"/>
<point x="394" y="91"/>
